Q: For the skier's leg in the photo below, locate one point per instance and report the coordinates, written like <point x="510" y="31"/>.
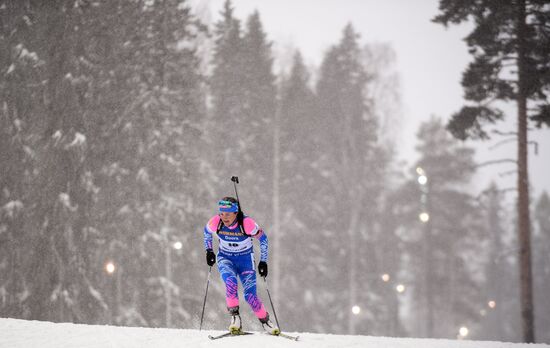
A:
<point x="247" y="274"/>
<point x="228" y="272"/>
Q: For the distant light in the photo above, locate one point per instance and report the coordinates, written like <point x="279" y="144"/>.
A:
<point x="422" y="179"/>
<point x="110" y="267"/>
<point x="463" y="332"/>
<point x="420" y="171"/>
<point x="386" y="277"/>
<point x="178" y="245"/>
<point x="424" y="217"/>
<point x="492" y="304"/>
<point x="400" y="288"/>
<point x="356" y="310"/>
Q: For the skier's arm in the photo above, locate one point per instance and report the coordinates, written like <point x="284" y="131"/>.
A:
<point x="262" y="266"/>
<point x="264" y="249"/>
<point x="207" y="239"/>
<point x="252" y="229"/>
<point x="209" y="230"/>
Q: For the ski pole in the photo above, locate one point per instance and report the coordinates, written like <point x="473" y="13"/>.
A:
<point x="205" y="294"/>
<point x="272" y="306"/>
<point x="235" y="180"/>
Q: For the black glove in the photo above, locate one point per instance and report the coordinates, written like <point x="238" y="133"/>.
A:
<point x="210" y="257"/>
<point x="262" y="268"/>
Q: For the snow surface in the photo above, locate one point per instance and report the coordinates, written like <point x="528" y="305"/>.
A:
<point x="16" y="333"/>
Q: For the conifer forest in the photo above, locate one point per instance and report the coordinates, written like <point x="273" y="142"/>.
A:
<point x="122" y="122"/>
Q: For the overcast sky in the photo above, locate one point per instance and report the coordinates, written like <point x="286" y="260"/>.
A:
<point x="430" y="61"/>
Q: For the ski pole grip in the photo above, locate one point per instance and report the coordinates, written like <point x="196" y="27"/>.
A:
<point x="235" y="179"/>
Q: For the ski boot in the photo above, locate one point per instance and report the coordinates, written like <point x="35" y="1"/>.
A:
<point x="235" y="327"/>
<point x="269" y="326"/>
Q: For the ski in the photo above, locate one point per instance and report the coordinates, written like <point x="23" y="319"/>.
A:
<point x="283" y="335"/>
<point x="242" y="333"/>
<point x="229" y="334"/>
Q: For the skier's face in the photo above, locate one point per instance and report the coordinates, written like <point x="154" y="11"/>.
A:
<point x="228" y="218"/>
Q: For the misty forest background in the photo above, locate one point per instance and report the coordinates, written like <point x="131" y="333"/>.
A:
<point x="121" y="123"/>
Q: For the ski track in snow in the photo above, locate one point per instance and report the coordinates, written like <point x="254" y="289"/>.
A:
<point x="15" y="333"/>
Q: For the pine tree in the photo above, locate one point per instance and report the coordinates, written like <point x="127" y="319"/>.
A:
<point x="243" y="107"/>
<point x="347" y="144"/>
<point x="20" y="67"/>
<point x="297" y="186"/>
<point x="227" y="91"/>
<point x="498" y="306"/>
<point x="108" y="127"/>
<point x="442" y="249"/>
<point x="384" y="244"/>
<point x="162" y="134"/>
<point x="52" y="188"/>
<point x="508" y="40"/>
<point x="259" y="104"/>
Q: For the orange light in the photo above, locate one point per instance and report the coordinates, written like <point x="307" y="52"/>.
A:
<point x="110" y="267"/>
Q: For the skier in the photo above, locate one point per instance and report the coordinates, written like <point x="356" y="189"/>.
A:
<point x="236" y="258"/>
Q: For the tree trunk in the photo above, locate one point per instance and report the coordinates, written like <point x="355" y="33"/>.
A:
<point x="526" y="282"/>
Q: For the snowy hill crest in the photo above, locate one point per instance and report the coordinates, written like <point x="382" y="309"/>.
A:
<point x="28" y="334"/>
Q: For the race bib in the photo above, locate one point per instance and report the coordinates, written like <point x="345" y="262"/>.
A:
<point x="235" y="246"/>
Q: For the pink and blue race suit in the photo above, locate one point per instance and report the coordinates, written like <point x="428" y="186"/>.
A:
<point x="236" y="258"/>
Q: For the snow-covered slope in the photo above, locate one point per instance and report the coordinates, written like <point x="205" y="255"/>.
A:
<point x="28" y="334"/>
